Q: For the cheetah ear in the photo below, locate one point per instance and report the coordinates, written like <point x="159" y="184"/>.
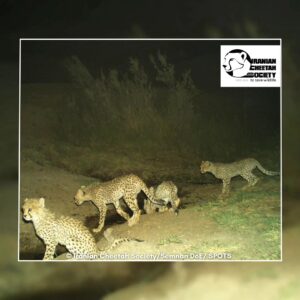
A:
<point x="42" y="202"/>
<point x="26" y="199"/>
<point x="83" y="187"/>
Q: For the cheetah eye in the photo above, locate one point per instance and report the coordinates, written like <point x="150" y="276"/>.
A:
<point x="29" y="209"/>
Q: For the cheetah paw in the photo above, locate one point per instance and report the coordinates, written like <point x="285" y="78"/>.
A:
<point x="131" y="222"/>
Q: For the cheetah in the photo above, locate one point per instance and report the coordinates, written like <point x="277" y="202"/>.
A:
<point x="63" y="230"/>
<point x="110" y="192"/>
<point x="166" y="191"/>
<point x="227" y="171"/>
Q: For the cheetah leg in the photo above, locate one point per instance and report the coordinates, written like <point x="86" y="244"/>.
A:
<point x="120" y="211"/>
<point x="137" y="205"/>
<point x="177" y="202"/>
<point x="102" y="213"/>
<point x="163" y="208"/>
<point x="132" y="203"/>
<point x="226" y="186"/>
<point x="166" y="207"/>
<point x="254" y="180"/>
<point x="148" y="207"/>
<point x="49" y="253"/>
<point x="251" y="178"/>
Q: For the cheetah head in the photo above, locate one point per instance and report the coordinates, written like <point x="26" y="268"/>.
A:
<point x="205" y="166"/>
<point x="32" y="208"/>
<point x="81" y="195"/>
<point x="237" y="63"/>
<point x="235" y="60"/>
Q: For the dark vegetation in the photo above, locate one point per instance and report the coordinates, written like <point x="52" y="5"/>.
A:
<point x="150" y="119"/>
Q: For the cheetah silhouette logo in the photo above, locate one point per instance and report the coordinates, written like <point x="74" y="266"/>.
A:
<point x="237" y="63"/>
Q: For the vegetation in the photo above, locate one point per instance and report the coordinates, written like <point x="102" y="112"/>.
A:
<point x="118" y="121"/>
<point x="251" y="214"/>
<point x="126" y="108"/>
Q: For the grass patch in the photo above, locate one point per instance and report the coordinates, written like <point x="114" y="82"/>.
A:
<point x="255" y="216"/>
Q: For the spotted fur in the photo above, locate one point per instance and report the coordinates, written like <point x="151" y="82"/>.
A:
<point x="166" y="191"/>
<point x="241" y="168"/>
<point x="63" y="230"/>
<point x="110" y="192"/>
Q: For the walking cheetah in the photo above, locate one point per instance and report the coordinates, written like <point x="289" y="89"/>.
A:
<point x="63" y="230"/>
<point x="110" y="192"/>
<point x="227" y="171"/>
<point x="166" y="191"/>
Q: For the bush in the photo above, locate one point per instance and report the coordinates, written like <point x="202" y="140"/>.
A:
<point x="128" y="107"/>
<point x="164" y="111"/>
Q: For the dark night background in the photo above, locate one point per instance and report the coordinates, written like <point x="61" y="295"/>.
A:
<point x="256" y="110"/>
<point x="43" y="62"/>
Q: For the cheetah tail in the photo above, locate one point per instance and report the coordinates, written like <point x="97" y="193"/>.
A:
<point x="263" y="170"/>
<point x="150" y="197"/>
<point x="138" y="240"/>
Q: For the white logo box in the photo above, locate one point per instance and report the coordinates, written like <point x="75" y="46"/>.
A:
<point x="262" y="58"/>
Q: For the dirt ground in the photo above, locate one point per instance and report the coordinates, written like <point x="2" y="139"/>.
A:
<point x="193" y="234"/>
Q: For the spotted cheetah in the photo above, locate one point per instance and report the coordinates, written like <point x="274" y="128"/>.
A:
<point x="110" y="192"/>
<point x="166" y="191"/>
<point x="67" y="231"/>
<point x="227" y="171"/>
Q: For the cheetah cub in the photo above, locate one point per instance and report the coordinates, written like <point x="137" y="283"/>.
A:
<point x="166" y="191"/>
<point x="63" y="230"/>
<point x="227" y="171"/>
<point x="110" y="192"/>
